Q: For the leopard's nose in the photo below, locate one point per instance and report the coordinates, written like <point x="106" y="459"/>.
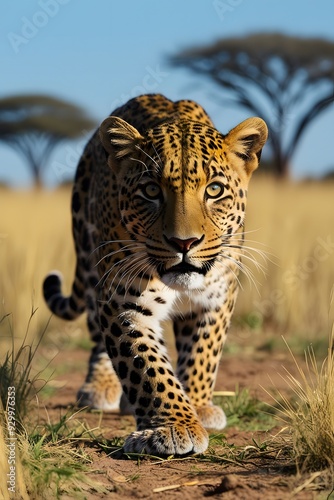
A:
<point x="183" y="246"/>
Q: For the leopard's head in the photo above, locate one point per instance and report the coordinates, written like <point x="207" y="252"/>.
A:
<point x="182" y="191"/>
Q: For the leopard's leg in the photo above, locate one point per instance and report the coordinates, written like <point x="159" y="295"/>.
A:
<point x="102" y="389"/>
<point x="166" y="420"/>
<point x="199" y="341"/>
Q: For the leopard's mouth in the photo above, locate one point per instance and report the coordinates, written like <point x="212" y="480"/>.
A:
<point x="185" y="268"/>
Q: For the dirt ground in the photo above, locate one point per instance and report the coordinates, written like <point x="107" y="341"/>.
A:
<point x="190" y="478"/>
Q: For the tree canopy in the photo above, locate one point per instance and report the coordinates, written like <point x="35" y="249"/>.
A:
<point x="288" y="81"/>
<point x="34" y="124"/>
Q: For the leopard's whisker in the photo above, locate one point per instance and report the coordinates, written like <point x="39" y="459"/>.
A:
<point x="225" y="266"/>
<point x="126" y="261"/>
<point x="111" y="242"/>
<point x="141" y="173"/>
<point x="245" y="253"/>
<point x="243" y="241"/>
<point x="145" y="266"/>
<point x="120" y="250"/>
<point x="159" y="158"/>
<point x="126" y="266"/>
<point x="150" y="157"/>
<point x="245" y="270"/>
<point x="133" y="272"/>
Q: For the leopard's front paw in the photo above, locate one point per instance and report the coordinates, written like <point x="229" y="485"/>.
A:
<point x="164" y="441"/>
<point x="212" y="417"/>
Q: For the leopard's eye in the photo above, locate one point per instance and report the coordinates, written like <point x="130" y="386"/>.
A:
<point x="152" y="191"/>
<point x="214" y="190"/>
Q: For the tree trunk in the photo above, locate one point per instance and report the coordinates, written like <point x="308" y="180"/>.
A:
<point x="281" y="167"/>
<point x="36" y="173"/>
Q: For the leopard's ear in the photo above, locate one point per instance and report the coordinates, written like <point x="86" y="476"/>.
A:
<point x="118" y="137"/>
<point x="246" y="141"/>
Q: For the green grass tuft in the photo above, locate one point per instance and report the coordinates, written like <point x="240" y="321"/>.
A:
<point x="16" y="370"/>
<point x="246" y="412"/>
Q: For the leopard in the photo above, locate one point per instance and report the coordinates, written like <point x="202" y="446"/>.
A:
<point x="158" y="213"/>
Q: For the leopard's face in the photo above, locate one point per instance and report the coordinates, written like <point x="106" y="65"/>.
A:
<point x="182" y="197"/>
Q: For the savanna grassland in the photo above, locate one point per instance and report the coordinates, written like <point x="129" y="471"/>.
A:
<point x="290" y="224"/>
<point x="286" y="292"/>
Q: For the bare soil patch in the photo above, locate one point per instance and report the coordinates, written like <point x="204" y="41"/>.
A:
<point x="265" y="476"/>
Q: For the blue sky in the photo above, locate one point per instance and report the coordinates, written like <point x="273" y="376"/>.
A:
<point x="99" y="53"/>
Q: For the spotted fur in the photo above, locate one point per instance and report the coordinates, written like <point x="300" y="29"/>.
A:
<point x="158" y="209"/>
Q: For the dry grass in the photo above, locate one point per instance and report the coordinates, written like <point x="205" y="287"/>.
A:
<point x="293" y="223"/>
<point x="308" y="416"/>
<point x="38" y="460"/>
<point x="35" y="237"/>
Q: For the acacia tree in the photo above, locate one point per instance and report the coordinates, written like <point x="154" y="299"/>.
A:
<point x="35" y="124"/>
<point x="287" y="81"/>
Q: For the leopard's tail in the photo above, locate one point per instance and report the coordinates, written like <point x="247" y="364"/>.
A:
<point x="65" y="307"/>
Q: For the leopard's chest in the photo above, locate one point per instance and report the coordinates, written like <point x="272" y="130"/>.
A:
<point x="152" y="301"/>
